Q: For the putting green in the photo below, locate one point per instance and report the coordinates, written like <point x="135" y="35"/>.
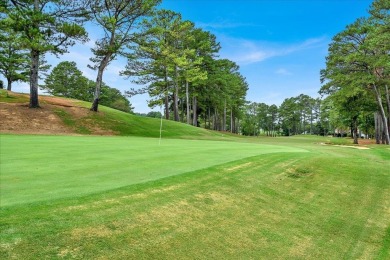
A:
<point x="42" y="168"/>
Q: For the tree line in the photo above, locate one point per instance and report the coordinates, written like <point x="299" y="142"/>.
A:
<point x="177" y="64"/>
<point x="174" y="61"/>
<point x="299" y="115"/>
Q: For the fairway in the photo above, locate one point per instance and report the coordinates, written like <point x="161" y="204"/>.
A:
<point x="41" y="168"/>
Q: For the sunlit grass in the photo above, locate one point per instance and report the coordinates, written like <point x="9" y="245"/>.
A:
<point x="53" y="167"/>
<point x="328" y="203"/>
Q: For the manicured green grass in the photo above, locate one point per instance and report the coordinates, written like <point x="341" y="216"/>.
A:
<point x="53" y="167"/>
<point x="267" y="200"/>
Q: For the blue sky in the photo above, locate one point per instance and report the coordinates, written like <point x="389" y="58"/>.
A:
<point x="280" y="45"/>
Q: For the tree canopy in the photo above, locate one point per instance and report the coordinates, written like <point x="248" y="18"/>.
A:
<point x="66" y="80"/>
<point x="44" y="26"/>
<point x="358" y="67"/>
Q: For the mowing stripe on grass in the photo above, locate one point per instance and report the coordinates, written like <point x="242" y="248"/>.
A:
<point x="41" y="168"/>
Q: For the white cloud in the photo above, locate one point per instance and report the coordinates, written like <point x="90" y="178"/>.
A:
<point x="246" y="52"/>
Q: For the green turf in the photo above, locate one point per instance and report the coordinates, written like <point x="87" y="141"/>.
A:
<point x="125" y="124"/>
<point x="329" y="202"/>
<point x="36" y="168"/>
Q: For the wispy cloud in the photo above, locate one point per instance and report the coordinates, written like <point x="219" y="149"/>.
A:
<point x="283" y="72"/>
<point x="219" y="23"/>
<point x="246" y="52"/>
<point x="271" y="97"/>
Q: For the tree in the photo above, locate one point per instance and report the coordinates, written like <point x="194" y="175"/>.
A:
<point x="273" y="116"/>
<point x="13" y="60"/>
<point x="224" y="88"/>
<point x="160" y="56"/>
<point x="378" y="41"/>
<point x="249" y="125"/>
<point x="154" y="114"/>
<point x="117" y="19"/>
<point x="175" y="61"/>
<point x="66" y="80"/>
<point x="113" y="98"/>
<point x="357" y="64"/>
<point x="290" y="115"/>
<point x="205" y="47"/>
<point x="45" y="26"/>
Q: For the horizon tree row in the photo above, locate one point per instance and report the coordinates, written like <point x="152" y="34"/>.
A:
<point x="303" y="115"/>
<point x="296" y="115"/>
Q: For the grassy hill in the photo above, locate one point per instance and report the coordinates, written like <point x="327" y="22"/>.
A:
<point x="74" y="117"/>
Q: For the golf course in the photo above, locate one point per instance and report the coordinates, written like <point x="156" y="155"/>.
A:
<point x="193" y="194"/>
<point x="199" y="130"/>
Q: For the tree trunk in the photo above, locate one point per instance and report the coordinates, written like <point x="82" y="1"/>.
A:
<point x="195" y="112"/>
<point x="34" y="103"/>
<point x="176" y="104"/>
<point x="215" y="120"/>
<point x="188" y="104"/>
<point x="311" y="121"/>
<point x="388" y="107"/>
<point x="351" y="129"/>
<point x="176" y="98"/>
<point x="209" y="118"/>
<point x="383" y="114"/>
<point x="231" y="121"/>
<point x="166" y="106"/>
<point x="99" y="80"/>
<point x="355" y="130"/>
<point x="9" y="84"/>
<point x="378" y="127"/>
<point x="224" y="117"/>
<point x="166" y="94"/>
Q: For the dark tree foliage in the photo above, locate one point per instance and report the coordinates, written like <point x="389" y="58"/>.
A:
<point x="66" y="80"/>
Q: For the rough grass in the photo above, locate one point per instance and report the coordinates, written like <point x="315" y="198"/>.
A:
<point x="7" y="97"/>
<point x="71" y="122"/>
<point x="328" y="203"/>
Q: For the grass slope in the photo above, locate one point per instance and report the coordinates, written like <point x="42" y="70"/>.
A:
<point x="327" y="203"/>
<point x="76" y="115"/>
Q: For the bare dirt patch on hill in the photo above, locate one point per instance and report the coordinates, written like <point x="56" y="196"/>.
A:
<point x="18" y="118"/>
